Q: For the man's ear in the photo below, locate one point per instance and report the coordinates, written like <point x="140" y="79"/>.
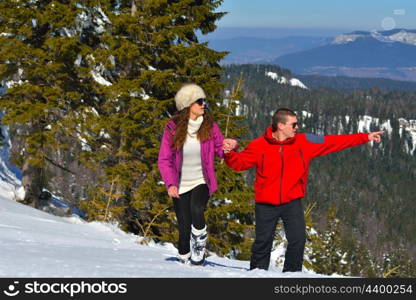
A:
<point x="280" y="125"/>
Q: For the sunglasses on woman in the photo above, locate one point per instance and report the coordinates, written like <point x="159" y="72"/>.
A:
<point x="201" y="101"/>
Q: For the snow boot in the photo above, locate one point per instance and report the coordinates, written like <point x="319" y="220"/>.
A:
<point x="198" y="243"/>
<point x="184" y="258"/>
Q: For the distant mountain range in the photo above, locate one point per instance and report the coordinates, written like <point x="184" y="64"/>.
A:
<point x="378" y="54"/>
<point x="255" y="50"/>
<point x="395" y="35"/>
<point x="388" y="54"/>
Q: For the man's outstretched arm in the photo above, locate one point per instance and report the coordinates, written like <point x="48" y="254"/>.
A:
<point x="322" y="145"/>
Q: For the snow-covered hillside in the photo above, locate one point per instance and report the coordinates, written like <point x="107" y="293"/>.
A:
<point x="367" y="123"/>
<point x="398" y="35"/>
<point x="37" y="244"/>
<point x="284" y="80"/>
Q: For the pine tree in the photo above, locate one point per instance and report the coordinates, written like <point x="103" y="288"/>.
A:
<point x="314" y="242"/>
<point x="41" y="41"/>
<point x="149" y="51"/>
<point x="333" y="256"/>
<point x="325" y="250"/>
<point x="101" y="76"/>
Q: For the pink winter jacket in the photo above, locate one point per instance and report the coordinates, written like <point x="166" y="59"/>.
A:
<point x="170" y="159"/>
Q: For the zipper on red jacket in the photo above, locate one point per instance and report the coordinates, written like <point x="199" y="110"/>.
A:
<point x="303" y="159"/>
<point x="281" y="174"/>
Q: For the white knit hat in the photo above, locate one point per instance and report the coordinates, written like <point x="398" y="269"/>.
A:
<point x="187" y="95"/>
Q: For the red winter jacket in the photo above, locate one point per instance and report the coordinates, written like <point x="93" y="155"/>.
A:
<point x="282" y="167"/>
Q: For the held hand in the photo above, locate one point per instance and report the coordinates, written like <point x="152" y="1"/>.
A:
<point x="228" y="145"/>
<point x="375" y="136"/>
<point x="173" y="192"/>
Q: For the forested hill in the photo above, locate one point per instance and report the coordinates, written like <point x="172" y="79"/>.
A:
<point x="351" y="83"/>
<point x="372" y="185"/>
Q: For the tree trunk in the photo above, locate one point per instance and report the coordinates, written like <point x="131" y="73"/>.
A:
<point x="32" y="183"/>
<point x="33" y="179"/>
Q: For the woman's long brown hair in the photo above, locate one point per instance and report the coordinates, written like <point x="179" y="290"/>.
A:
<point x="181" y="119"/>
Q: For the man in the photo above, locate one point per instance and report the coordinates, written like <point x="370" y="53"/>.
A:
<point x="282" y="158"/>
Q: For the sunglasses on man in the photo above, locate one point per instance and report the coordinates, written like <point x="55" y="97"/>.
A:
<point x="293" y="124"/>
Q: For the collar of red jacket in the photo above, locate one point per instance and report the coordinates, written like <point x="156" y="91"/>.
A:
<point x="269" y="138"/>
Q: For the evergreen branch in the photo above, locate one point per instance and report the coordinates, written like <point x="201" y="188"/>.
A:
<point x="391" y="271"/>
<point x="154" y="219"/>
<point x="232" y="97"/>
<point x="149" y="225"/>
<point x="58" y="165"/>
<point x="110" y="196"/>
<point x="190" y="42"/>
<point x="85" y="142"/>
<point x="309" y="209"/>
<point x="137" y="222"/>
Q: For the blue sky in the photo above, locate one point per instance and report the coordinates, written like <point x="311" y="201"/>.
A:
<point x="320" y="14"/>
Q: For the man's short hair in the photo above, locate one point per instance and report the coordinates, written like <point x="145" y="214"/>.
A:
<point x="280" y="116"/>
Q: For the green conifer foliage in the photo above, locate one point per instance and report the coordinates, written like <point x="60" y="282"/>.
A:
<point x="325" y="251"/>
<point x="314" y="242"/>
<point x="100" y="77"/>
<point x="40" y="45"/>
<point x="176" y="57"/>
<point x="230" y="211"/>
<point x="145" y="55"/>
<point x="333" y="254"/>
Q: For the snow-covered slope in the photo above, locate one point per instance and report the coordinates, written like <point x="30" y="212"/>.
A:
<point x="36" y="244"/>
<point x="9" y="175"/>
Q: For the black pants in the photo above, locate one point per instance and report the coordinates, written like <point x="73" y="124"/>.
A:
<point x="267" y="217"/>
<point x="189" y="209"/>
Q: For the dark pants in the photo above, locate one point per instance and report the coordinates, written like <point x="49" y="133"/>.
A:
<point x="293" y="219"/>
<point x="189" y="209"/>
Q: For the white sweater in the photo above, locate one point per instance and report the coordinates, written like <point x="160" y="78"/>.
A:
<point x="191" y="166"/>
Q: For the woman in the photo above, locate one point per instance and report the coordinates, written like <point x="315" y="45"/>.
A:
<point x="186" y="163"/>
